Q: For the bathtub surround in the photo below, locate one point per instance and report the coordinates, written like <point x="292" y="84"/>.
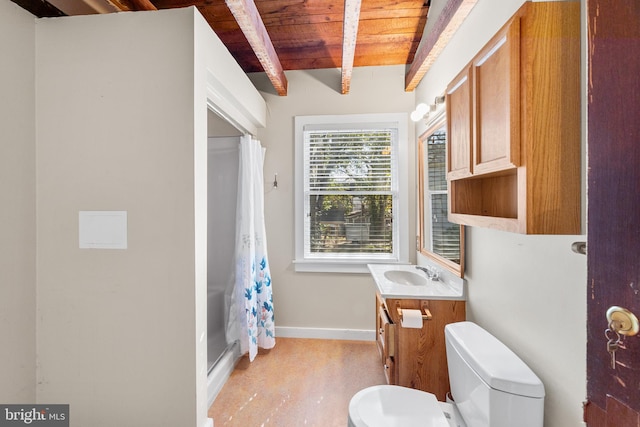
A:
<point x="222" y="194"/>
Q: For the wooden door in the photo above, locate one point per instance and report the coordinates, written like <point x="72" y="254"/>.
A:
<point x="613" y="259"/>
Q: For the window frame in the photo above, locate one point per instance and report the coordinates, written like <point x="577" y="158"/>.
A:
<point x="354" y="263"/>
<point x="424" y="195"/>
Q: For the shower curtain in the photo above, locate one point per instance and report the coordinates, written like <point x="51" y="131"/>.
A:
<point x="253" y="297"/>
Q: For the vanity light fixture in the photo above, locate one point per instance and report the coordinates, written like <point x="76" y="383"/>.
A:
<point x="423" y="110"/>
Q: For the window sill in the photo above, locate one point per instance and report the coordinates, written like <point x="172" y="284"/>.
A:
<point x="339" y="266"/>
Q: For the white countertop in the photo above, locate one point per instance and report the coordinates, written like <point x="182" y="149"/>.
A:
<point x="432" y="289"/>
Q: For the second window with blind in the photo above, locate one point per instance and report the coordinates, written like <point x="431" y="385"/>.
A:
<point x="350" y="205"/>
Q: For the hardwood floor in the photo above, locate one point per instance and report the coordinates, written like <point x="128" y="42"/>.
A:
<point x="300" y="382"/>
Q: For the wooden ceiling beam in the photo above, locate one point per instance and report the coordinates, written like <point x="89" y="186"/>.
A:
<point x="133" y="5"/>
<point x="143" y="5"/>
<point x="452" y="15"/>
<point x="39" y="8"/>
<point x="248" y="18"/>
<point x="349" y="36"/>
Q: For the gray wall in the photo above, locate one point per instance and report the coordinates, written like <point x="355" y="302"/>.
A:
<point x="116" y="329"/>
<point x="18" y="200"/>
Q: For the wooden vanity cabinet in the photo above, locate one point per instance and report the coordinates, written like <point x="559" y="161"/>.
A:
<point x="513" y="117"/>
<point x="417" y="358"/>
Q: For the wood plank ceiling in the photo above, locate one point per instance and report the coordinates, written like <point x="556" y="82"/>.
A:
<point x="278" y="35"/>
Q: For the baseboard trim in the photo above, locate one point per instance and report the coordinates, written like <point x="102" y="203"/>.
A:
<point x="326" y="333"/>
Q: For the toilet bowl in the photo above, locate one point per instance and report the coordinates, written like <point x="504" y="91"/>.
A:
<point x="490" y="385"/>
<point x="396" y="406"/>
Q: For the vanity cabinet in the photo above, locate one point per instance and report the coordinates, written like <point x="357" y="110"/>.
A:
<point x="513" y="118"/>
<point x="411" y="357"/>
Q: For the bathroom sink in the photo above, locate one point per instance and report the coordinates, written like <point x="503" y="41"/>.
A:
<point x="407" y="281"/>
<point x="404" y="277"/>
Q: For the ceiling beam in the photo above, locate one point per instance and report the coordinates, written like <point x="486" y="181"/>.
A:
<point x="39" y="8"/>
<point x="250" y="22"/>
<point x="452" y="15"/>
<point x="132" y="5"/>
<point x="349" y="36"/>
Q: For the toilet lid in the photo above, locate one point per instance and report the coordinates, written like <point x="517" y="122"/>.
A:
<point x="395" y="406"/>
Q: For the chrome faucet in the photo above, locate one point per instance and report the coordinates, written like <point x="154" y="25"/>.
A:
<point x="431" y="272"/>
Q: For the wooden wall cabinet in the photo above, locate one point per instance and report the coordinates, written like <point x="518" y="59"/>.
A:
<point x="513" y="118"/>
<point x="416" y="358"/>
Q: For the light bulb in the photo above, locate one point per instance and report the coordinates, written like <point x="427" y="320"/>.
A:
<point x="422" y="109"/>
<point x="415" y="116"/>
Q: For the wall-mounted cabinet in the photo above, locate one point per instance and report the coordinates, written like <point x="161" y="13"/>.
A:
<point x="513" y="117"/>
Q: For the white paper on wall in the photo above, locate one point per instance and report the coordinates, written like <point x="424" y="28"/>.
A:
<point x="102" y="229"/>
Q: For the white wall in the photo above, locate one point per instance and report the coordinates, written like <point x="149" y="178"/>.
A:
<point x="327" y="304"/>
<point x="117" y="330"/>
<point x="18" y="212"/>
<point x="529" y="291"/>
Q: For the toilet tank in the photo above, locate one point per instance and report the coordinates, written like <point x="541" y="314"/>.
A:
<point x="490" y="385"/>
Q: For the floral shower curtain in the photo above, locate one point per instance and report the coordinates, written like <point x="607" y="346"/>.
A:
<point x="253" y="296"/>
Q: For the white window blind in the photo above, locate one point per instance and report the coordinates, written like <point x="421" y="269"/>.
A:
<point x="349" y="191"/>
<point x="445" y="236"/>
<point x="359" y="161"/>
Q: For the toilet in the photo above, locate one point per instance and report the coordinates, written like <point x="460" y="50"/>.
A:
<point x="490" y="387"/>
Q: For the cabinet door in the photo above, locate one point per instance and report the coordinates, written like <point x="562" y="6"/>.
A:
<point x="496" y="82"/>
<point x="459" y="126"/>
<point x="385" y="340"/>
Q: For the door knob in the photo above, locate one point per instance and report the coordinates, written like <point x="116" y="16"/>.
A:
<point x="622" y="321"/>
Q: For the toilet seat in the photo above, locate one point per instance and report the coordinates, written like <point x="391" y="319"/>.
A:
<point x="395" y="406"/>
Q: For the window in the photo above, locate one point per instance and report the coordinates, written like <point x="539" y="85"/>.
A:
<point x="349" y="208"/>
<point x="440" y="240"/>
<point x="445" y="236"/>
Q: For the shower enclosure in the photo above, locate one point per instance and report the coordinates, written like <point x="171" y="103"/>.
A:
<point x="222" y="188"/>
